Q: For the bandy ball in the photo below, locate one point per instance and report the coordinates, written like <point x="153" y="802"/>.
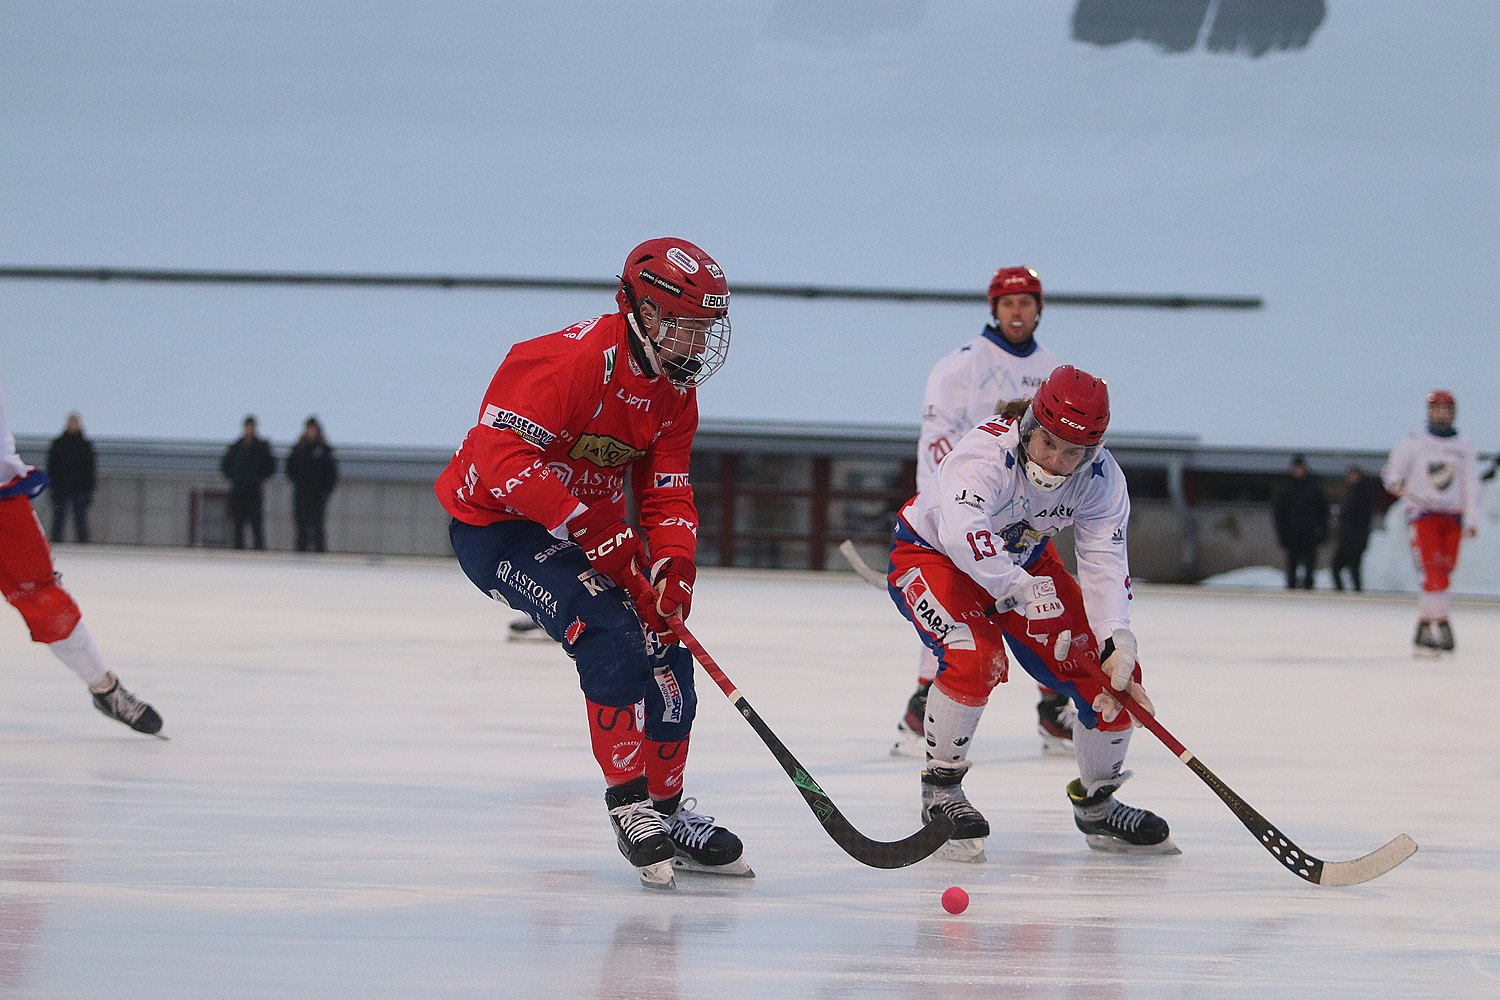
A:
<point x="955" y="900"/>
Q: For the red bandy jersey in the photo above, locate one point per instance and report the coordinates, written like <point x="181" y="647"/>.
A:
<point x="563" y="419"/>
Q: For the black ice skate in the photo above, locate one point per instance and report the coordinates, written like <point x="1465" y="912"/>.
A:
<point x="942" y="792"/>
<point x="909" y="730"/>
<point x="1425" y="642"/>
<point x="1054" y="723"/>
<point x="1110" y="825"/>
<point x="641" y="832"/>
<point x="1443" y="636"/>
<point x="701" y="845"/>
<point x="122" y="706"/>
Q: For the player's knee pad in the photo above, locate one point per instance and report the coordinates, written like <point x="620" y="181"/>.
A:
<point x="671" y="697"/>
<point x="49" y="610"/>
<point x="969" y="675"/>
<point x="609" y="649"/>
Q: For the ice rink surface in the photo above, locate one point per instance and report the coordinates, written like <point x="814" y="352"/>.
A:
<point x="368" y="793"/>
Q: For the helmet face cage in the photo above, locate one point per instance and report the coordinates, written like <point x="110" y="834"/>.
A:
<point x="691" y="348"/>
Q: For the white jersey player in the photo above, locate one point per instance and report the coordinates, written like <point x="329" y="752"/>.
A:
<point x="967" y="386"/>
<point x="1436" y="473"/>
<point x="974" y="570"/>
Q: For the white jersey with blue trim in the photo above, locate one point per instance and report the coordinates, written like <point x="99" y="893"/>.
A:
<point x="970" y="384"/>
<point x="991" y="521"/>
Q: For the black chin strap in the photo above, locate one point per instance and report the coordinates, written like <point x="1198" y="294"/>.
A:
<point x="636" y="334"/>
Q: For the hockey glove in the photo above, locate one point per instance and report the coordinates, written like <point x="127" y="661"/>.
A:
<point x="1120" y="666"/>
<point x="1037" y="599"/>
<point x="609" y="543"/>
<point x="673" y="578"/>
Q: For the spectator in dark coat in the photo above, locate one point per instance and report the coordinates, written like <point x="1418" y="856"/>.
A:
<point x="1301" y="514"/>
<point x="314" y="472"/>
<point x="72" y="467"/>
<point x="1361" y="496"/>
<point x="247" y="464"/>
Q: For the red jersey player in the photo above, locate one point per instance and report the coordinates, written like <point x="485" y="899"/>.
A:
<point x="34" y="589"/>
<point x="537" y="494"/>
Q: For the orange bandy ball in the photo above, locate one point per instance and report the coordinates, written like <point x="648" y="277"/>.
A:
<point x="955" y="900"/>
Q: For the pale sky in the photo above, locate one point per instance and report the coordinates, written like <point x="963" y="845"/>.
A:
<point x="1349" y="183"/>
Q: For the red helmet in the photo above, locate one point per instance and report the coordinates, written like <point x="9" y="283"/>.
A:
<point x="679" y="278"/>
<point x="1012" y="280"/>
<point x="1441" y="397"/>
<point x="686" y="286"/>
<point x="1073" y="405"/>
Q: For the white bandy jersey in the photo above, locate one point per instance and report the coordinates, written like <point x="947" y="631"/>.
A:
<point x="970" y="384"/>
<point x="1435" y="475"/>
<point x="11" y="466"/>
<point x="987" y="517"/>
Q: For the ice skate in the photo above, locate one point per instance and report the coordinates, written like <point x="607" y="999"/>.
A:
<point x="526" y="630"/>
<point x="942" y="792"/>
<point x="641" y="832"/>
<point x="1110" y="825"/>
<point x="909" y="731"/>
<point x="1425" y="642"/>
<point x="1055" y="714"/>
<point x="122" y="706"/>
<point x="1443" y="636"/>
<point x="701" y="845"/>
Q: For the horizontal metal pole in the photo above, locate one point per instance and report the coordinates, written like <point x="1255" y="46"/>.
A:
<point x="198" y="277"/>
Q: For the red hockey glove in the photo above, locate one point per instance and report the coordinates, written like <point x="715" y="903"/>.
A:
<point x="673" y="579"/>
<point x="609" y="543"/>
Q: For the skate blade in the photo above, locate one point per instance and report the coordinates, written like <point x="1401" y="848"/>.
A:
<point x="909" y="744"/>
<point x="1052" y="746"/>
<point x="528" y="635"/>
<point x="969" y="851"/>
<point x="737" y="868"/>
<point x="1114" y="845"/>
<point x="657" y="876"/>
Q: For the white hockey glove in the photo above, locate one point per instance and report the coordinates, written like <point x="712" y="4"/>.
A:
<point x="1119" y="666"/>
<point x="1037" y="599"/>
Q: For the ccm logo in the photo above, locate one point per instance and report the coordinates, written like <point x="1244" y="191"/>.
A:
<point x="610" y="544"/>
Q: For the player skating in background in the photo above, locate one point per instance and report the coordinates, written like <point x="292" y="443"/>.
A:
<point x="1435" y="472"/>
<point x="973" y="569"/>
<point x="970" y="384"/>
<point x="34" y="588"/>
<point x="537" y="495"/>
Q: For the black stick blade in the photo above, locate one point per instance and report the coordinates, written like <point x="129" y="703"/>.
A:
<point x="874" y="853"/>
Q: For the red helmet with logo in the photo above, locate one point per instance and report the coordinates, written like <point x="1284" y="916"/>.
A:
<point x="1441" y="397"/>
<point x="1073" y="405"/>
<point x="1013" y="280"/>
<point x="679" y="278"/>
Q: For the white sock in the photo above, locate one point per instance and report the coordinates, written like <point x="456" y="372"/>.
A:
<point x="82" y="657"/>
<point x="950" y="728"/>
<point x="1101" y="756"/>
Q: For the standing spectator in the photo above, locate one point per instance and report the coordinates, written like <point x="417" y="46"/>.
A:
<point x="1301" y="513"/>
<point x="967" y="386"/>
<point x="1353" y="532"/>
<point x="314" y="472"/>
<point x="247" y="464"/>
<point x="34" y="588"/>
<point x="72" y="467"/>
<point x="537" y="496"/>
<point x="1436" y="473"/>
